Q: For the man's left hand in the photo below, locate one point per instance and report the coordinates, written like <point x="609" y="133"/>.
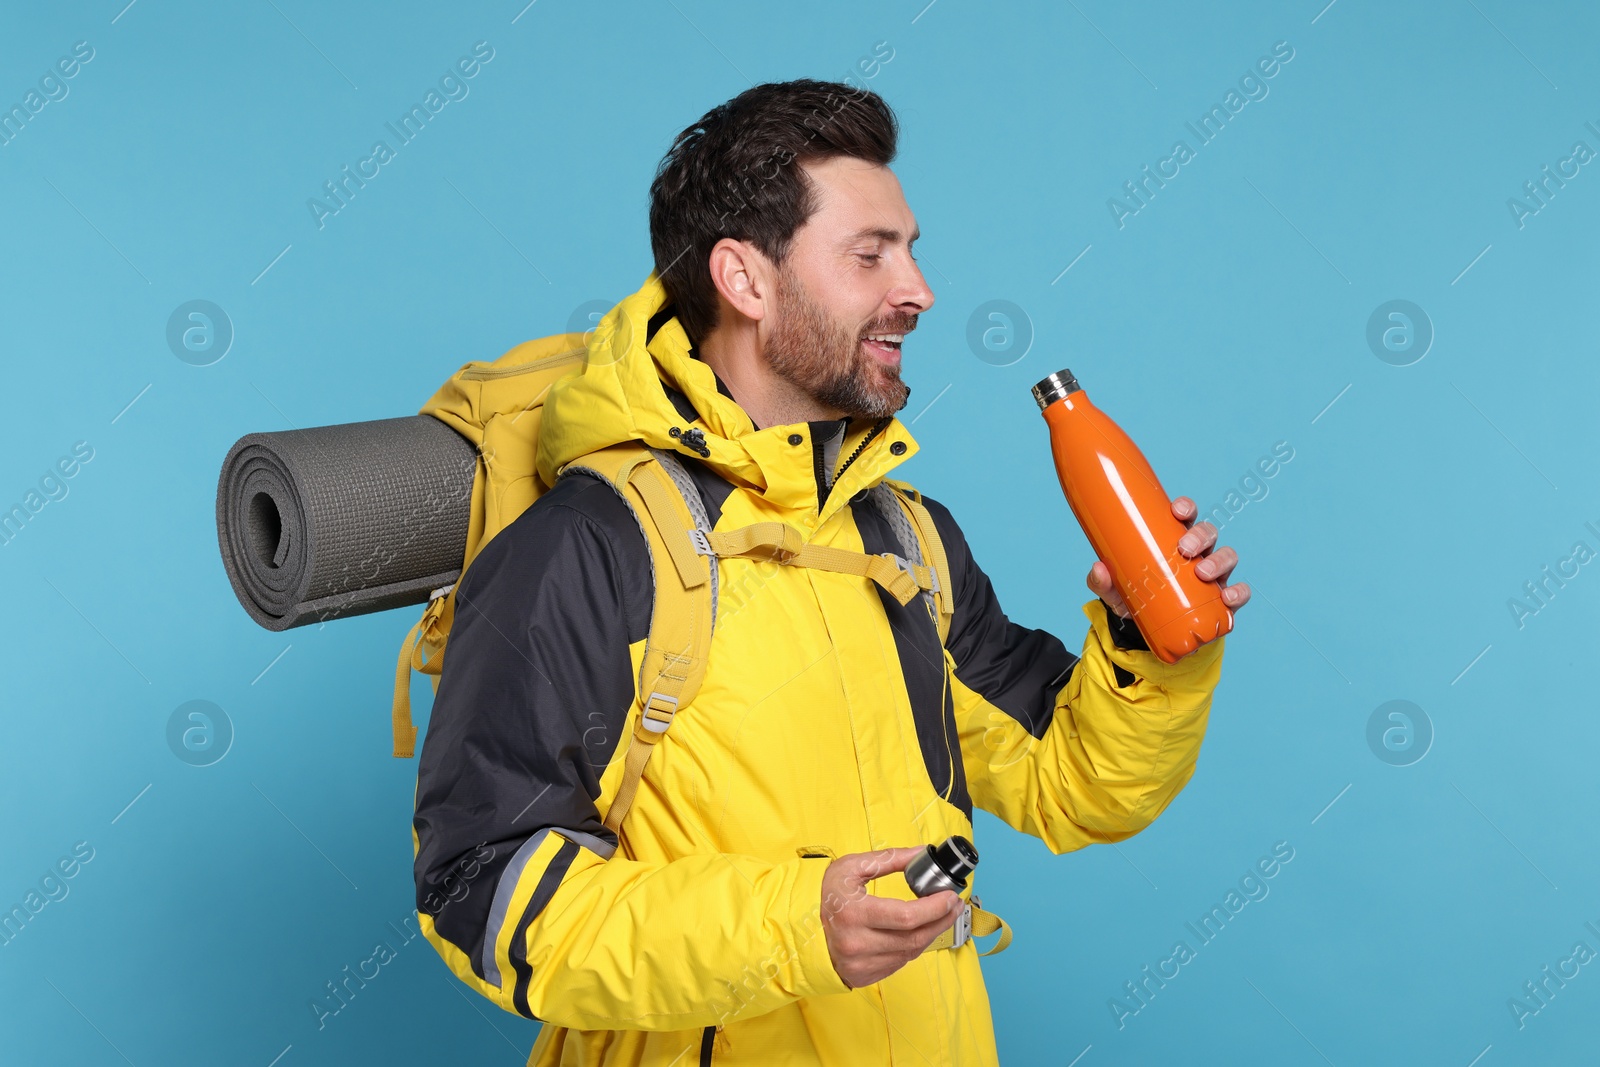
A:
<point x="1197" y="541"/>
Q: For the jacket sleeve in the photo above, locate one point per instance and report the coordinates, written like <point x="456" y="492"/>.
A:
<point x="1074" y="750"/>
<point x="520" y="887"/>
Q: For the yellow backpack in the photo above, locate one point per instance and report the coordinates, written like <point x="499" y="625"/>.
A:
<point x="497" y="406"/>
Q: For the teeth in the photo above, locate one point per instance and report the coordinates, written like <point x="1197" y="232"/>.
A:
<point x="894" y="338"/>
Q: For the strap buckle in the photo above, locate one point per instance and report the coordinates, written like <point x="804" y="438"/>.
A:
<point x="961" y="932"/>
<point x="902" y="563"/>
<point x="658" y="712"/>
<point x="702" y="543"/>
<point x="910" y="569"/>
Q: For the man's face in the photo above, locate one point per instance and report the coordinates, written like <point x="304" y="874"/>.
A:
<point x="848" y="291"/>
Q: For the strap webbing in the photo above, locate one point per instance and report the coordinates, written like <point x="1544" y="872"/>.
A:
<point x="639" y="750"/>
<point x="664" y="503"/>
<point x="784" y="544"/>
<point x="680" y="624"/>
<point x="983" y="924"/>
<point x="405" y="734"/>
<point x="428" y="632"/>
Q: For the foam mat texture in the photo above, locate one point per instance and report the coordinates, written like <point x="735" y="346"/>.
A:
<point x="334" y="521"/>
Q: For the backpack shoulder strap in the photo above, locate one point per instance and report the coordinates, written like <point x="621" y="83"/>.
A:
<point x="930" y="548"/>
<point x="681" y="620"/>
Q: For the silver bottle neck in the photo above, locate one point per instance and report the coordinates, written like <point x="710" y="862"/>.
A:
<point x="1056" y="386"/>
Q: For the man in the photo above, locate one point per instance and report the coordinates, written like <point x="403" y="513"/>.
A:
<point x="753" y="910"/>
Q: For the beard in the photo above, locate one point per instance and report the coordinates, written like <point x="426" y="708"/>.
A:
<point x="825" y="359"/>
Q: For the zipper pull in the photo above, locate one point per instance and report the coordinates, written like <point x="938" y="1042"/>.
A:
<point x="694" y="439"/>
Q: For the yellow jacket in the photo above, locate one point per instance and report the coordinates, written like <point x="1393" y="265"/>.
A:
<point x="830" y="721"/>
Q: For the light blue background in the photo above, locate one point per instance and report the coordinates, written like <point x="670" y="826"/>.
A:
<point x="1223" y="318"/>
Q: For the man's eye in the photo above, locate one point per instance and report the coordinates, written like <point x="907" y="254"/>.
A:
<point x="871" y="257"/>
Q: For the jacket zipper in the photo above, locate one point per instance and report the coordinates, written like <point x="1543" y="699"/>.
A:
<point x="824" y="488"/>
<point x="706" y="1039"/>
<point x="481" y="374"/>
<point x="877" y="428"/>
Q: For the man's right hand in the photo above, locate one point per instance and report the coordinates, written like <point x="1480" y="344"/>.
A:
<point x="871" y="937"/>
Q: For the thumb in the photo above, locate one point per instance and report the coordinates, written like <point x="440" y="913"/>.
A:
<point x="1099" y="578"/>
<point x="1101" y="585"/>
<point x="1100" y="581"/>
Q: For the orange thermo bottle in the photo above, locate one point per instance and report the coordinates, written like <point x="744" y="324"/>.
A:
<point x="1128" y="519"/>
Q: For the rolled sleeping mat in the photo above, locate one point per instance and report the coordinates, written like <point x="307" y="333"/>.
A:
<point x="343" y="520"/>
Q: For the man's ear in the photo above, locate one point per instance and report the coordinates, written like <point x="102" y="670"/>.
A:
<point x="740" y="272"/>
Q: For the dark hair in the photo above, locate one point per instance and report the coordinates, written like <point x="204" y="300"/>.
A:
<point x="735" y="173"/>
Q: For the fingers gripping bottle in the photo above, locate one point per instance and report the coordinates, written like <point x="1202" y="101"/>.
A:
<point x="1128" y="519"/>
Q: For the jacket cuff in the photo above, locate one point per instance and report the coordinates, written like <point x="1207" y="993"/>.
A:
<point x="1124" y="632"/>
<point x="813" y="970"/>
<point x="1141" y="662"/>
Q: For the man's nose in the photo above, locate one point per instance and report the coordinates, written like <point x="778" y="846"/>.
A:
<point x="912" y="295"/>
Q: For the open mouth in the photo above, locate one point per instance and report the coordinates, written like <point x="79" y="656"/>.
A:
<point x="885" y="346"/>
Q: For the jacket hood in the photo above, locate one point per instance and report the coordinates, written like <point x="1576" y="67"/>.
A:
<point x="621" y="395"/>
